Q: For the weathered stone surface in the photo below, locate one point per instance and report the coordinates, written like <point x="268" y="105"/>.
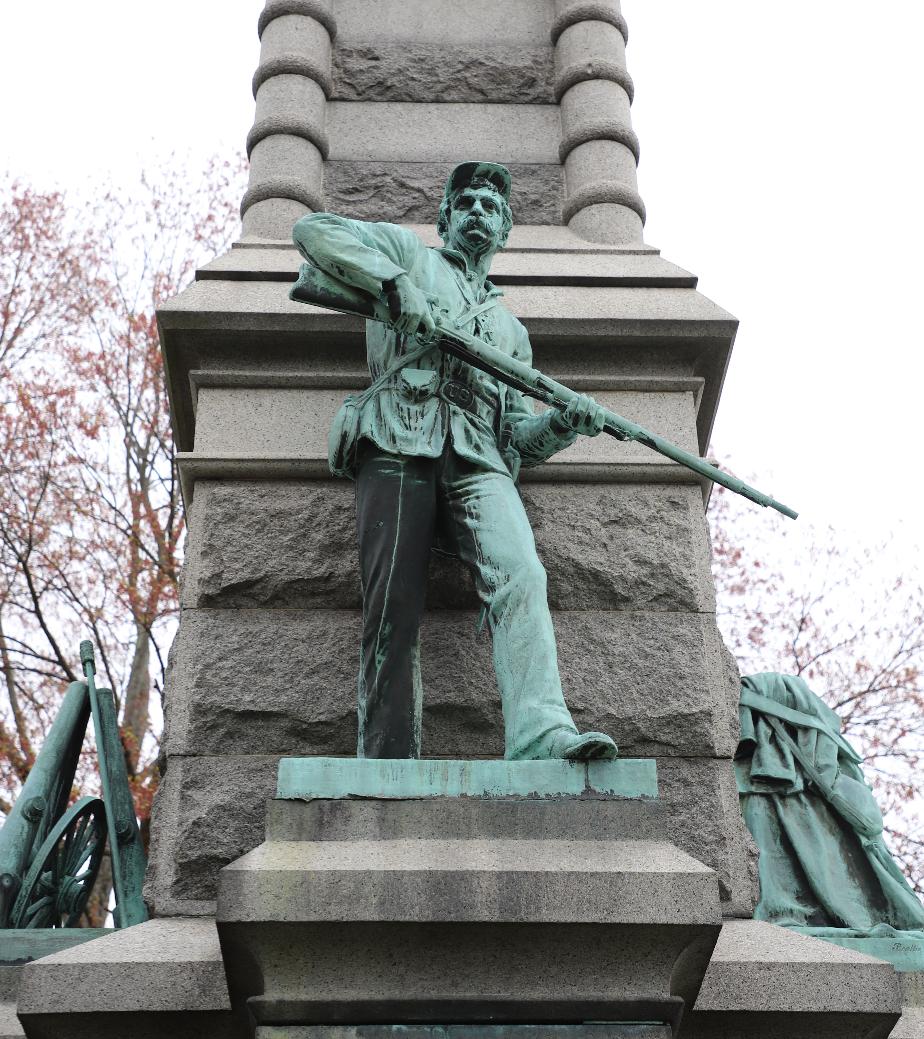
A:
<point x="622" y="547"/>
<point x="408" y="131"/>
<point x="700" y="802"/>
<point x="263" y="682"/>
<point x="273" y="218"/>
<point x="410" y="192"/>
<point x="653" y="679"/>
<point x="293" y="544"/>
<point x="444" y="972"/>
<point x="446" y="22"/>
<point x="10" y="1026"/>
<point x="9" y="981"/>
<point x="163" y="977"/>
<point x="472" y="881"/>
<point x="211" y="810"/>
<point x="912" y="985"/>
<point x="768" y="982"/>
<point x="273" y="544"/>
<point x="208" y="812"/>
<point x="410" y="70"/>
<point x="911" y="1024"/>
<point x="282" y="682"/>
<point x="461" y="818"/>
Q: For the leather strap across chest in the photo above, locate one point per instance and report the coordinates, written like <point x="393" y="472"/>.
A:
<point x="474" y="312"/>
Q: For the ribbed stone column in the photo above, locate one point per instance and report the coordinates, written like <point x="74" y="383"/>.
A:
<point x="599" y="149"/>
<point x="288" y="144"/>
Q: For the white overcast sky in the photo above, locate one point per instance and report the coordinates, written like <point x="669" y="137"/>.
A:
<point x="781" y="162"/>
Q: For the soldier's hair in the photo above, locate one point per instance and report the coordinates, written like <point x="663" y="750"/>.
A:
<point x="442" y="223"/>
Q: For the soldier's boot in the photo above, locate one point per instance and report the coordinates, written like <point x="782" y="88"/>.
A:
<point x="586" y="746"/>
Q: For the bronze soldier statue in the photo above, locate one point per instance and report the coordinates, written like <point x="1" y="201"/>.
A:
<point x="435" y="447"/>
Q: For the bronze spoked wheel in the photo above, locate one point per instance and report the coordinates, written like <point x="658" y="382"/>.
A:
<point x="55" y="890"/>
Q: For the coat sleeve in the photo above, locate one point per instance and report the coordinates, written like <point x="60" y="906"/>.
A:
<point x="361" y="254"/>
<point x="535" y="437"/>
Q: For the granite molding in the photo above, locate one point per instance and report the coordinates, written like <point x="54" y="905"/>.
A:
<point x="319" y="10"/>
<point x="570" y="12"/>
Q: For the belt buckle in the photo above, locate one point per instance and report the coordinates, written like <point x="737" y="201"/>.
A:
<point x="460" y="394"/>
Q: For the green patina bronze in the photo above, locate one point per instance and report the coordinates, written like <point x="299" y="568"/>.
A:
<point x="405" y="779"/>
<point x="824" y="867"/>
<point x="434" y="446"/>
<point x="125" y="848"/>
<point x="22" y="946"/>
<point x="50" y="850"/>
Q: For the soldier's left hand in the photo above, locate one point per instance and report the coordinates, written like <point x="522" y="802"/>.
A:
<point x="584" y="415"/>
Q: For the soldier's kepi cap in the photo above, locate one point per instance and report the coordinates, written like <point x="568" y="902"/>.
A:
<point x="479" y="174"/>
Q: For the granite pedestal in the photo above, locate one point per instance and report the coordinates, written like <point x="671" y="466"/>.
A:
<point x="464" y="900"/>
<point x="468" y="893"/>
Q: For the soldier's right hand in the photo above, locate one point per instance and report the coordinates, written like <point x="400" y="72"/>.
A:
<point x="409" y="308"/>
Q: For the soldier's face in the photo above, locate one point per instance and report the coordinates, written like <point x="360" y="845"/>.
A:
<point x="476" y="220"/>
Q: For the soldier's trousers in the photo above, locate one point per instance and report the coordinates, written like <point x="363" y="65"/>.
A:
<point x="400" y="500"/>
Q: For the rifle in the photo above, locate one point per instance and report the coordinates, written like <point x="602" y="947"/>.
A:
<point x="320" y="289"/>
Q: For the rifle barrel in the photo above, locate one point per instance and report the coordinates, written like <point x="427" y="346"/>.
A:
<point x="490" y="360"/>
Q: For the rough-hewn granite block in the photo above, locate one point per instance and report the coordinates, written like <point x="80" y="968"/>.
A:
<point x="410" y="70"/>
<point x="605" y="547"/>
<point x="702" y="816"/>
<point x="208" y="812"/>
<point x="283" y="682"/>
<point x="410" y="192"/>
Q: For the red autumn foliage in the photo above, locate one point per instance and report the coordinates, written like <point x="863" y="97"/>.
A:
<point x="850" y="621"/>
<point x="91" y="521"/>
